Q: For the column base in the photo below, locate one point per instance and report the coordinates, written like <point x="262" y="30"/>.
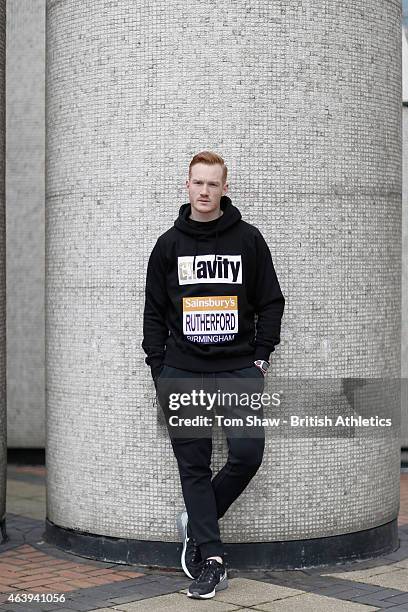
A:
<point x="280" y="555"/>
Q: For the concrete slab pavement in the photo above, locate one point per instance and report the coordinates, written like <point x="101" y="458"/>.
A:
<point x="33" y="574"/>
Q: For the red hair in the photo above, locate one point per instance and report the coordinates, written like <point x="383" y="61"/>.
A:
<point x="207" y="157"/>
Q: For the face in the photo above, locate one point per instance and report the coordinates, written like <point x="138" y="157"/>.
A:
<point x="205" y="188"/>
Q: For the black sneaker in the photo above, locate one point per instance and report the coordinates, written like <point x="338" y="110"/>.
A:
<point x="212" y="577"/>
<point x="191" y="560"/>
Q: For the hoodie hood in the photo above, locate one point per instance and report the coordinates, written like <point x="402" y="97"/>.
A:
<point x="230" y="217"/>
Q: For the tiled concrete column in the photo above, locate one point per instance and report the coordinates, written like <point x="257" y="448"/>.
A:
<point x="304" y="103"/>
<point x="404" y="301"/>
<point x="3" y="362"/>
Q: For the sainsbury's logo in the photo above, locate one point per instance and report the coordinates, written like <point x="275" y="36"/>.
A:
<point x="210" y="269"/>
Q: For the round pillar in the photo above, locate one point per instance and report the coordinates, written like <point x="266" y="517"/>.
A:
<point x="306" y="112"/>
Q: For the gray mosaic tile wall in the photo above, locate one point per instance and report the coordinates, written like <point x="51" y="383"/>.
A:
<point x="404" y="307"/>
<point x="303" y="100"/>
<point x="25" y="223"/>
<point x="3" y="361"/>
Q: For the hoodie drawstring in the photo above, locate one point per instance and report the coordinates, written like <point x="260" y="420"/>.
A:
<point x="195" y="253"/>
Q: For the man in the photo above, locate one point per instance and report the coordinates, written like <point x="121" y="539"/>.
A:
<point x="207" y="278"/>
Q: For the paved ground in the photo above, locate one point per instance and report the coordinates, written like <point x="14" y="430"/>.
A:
<point x="32" y="571"/>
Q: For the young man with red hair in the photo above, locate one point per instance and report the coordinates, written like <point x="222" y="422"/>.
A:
<point x="208" y="277"/>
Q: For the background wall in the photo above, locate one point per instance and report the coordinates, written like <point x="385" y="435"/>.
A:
<point x="3" y="348"/>
<point x="25" y="222"/>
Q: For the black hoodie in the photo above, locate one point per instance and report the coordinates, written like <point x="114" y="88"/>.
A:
<point x="205" y="283"/>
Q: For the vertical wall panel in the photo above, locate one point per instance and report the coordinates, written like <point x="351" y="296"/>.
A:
<point x="3" y="389"/>
<point x="25" y="222"/>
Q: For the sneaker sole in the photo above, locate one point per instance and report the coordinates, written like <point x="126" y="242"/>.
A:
<point x="220" y="587"/>
<point x="182" y="529"/>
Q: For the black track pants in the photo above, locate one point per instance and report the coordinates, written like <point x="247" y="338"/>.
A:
<point x="207" y="499"/>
